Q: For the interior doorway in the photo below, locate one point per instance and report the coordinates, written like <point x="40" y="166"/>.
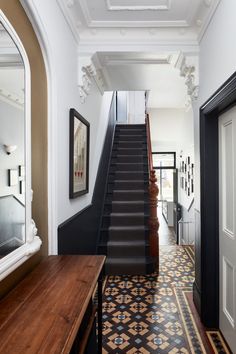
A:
<point x="227" y="217"/>
<point x="207" y="281"/>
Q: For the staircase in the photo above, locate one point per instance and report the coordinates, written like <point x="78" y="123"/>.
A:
<point x="124" y="233"/>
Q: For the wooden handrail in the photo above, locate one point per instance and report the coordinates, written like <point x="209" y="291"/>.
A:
<point x="153" y="194"/>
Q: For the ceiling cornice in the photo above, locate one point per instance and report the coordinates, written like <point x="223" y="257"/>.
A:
<point x="65" y="9"/>
<point x="208" y="18"/>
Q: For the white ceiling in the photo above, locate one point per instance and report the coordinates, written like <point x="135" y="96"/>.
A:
<point x="91" y="19"/>
<point x="157" y="73"/>
<point x="151" y="30"/>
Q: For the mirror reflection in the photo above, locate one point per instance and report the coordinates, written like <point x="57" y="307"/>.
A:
<point x="12" y="146"/>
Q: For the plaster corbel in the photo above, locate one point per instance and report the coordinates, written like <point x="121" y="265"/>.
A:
<point x="189" y="73"/>
<point x="89" y="74"/>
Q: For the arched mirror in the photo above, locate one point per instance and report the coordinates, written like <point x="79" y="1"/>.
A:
<point x="18" y="240"/>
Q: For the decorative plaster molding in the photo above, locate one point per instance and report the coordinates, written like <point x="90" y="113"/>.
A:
<point x="133" y="59"/>
<point x="158" y="7"/>
<point x="88" y="75"/>
<point x="189" y="73"/>
<point x="135" y="24"/>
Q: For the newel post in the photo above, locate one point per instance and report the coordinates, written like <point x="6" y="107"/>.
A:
<point x="153" y="220"/>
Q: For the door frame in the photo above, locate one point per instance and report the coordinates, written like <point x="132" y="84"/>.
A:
<point x="206" y="285"/>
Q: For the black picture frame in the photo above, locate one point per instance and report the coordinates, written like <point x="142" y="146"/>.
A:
<point x="78" y="155"/>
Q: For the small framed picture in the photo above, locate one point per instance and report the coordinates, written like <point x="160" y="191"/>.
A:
<point x="79" y="155"/>
<point x="22" y="171"/>
<point x="22" y="187"/>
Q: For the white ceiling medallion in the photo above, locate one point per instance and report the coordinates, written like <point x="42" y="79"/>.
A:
<point x="137" y="5"/>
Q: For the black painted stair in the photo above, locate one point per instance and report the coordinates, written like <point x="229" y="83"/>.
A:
<point x="124" y="230"/>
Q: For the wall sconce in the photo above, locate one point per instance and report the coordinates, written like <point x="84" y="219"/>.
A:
<point x="10" y="148"/>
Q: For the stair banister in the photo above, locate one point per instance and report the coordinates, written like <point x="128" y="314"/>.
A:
<point x="153" y="194"/>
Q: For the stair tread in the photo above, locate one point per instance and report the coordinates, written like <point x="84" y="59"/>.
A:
<point x="127" y="214"/>
<point x="130" y="191"/>
<point x="130" y="228"/>
<point x="128" y="180"/>
<point x="130" y="202"/>
<point x="129" y="243"/>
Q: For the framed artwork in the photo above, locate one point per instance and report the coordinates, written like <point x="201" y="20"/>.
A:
<point x="21" y="170"/>
<point x="79" y="155"/>
<point x="22" y="187"/>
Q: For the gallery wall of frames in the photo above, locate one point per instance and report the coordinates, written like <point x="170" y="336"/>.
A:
<point x="186" y="174"/>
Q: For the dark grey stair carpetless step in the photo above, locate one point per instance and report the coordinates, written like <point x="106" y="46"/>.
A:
<point x="131" y="175"/>
<point x="137" y="137"/>
<point x="125" y="248"/>
<point x="125" y="166"/>
<point x="128" y="195"/>
<point x="125" y="265"/>
<point x="131" y="144"/>
<point x="127" y="206"/>
<point x="126" y="219"/>
<point x="129" y="151"/>
<point x="130" y="126"/>
<point x="127" y="159"/>
<point x="129" y="132"/>
<point x="129" y="233"/>
<point x="128" y="184"/>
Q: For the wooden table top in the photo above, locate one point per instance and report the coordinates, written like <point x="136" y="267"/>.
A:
<point x="43" y="313"/>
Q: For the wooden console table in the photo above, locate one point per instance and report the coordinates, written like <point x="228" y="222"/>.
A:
<point x="51" y="310"/>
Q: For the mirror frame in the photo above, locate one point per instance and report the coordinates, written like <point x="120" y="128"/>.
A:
<point x="32" y="242"/>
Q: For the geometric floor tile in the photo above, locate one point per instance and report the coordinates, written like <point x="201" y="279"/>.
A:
<point x="151" y="314"/>
<point x="217" y="342"/>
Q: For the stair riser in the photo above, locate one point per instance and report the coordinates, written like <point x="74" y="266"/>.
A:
<point x="126" y="221"/>
<point x="130" y="132"/>
<point x="126" y="186"/>
<point x="127" y="208"/>
<point x="128" y="235"/>
<point x="129" y="269"/>
<point x="130" y="145"/>
<point x="128" y="176"/>
<point x="129" y="151"/>
<point x="127" y="167"/>
<point x="128" y="159"/>
<point x="131" y="126"/>
<point x="127" y="138"/>
<point x="128" y="196"/>
<point x="124" y="251"/>
<point x="131" y="176"/>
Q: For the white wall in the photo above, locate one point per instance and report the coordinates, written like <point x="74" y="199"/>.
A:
<point x="173" y="130"/>
<point x="136" y="107"/>
<point x="217" y="63"/>
<point x="62" y="63"/>
<point x="11" y="133"/>
<point x="166" y="125"/>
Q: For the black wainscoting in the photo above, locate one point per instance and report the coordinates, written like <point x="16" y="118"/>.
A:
<point x="79" y="234"/>
<point x="206" y="286"/>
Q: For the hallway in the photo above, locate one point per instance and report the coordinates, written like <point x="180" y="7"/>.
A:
<point x="151" y="314"/>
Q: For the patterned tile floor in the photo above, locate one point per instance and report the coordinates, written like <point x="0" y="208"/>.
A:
<point x="151" y="314"/>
